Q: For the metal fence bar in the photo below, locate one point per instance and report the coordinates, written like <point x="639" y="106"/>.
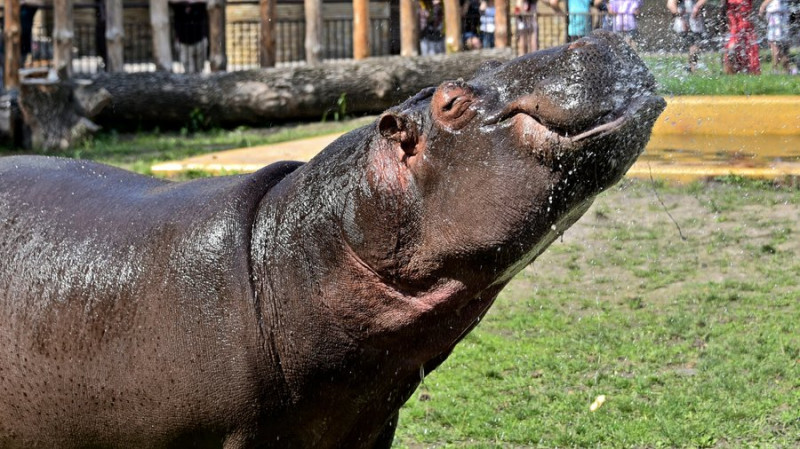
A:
<point x="553" y="28"/>
<point x="244" y="39"/>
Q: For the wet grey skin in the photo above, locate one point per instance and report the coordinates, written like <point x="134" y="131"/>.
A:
<point x="298" y="306"/>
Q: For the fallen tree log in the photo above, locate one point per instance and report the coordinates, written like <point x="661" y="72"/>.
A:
<point x="58" y="111"/>
<point x="260" y="97"/>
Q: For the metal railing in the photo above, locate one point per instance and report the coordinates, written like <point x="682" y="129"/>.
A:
<point x="529" y="32"/>
<point x="534" y="31"/>
<point x="337" y="39"/>
<point x="243" y="41"/>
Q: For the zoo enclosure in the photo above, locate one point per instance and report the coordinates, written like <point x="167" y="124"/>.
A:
<point x="243" y="28"/>
<point x="242" y="36"/>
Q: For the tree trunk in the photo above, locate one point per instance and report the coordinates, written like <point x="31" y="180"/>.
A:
<point x="452" y="25"/>
<point x="115" y="35"/>
<point x="159" y="21"/>
<point x="269" y="16"/>
<point x="58" y="111"/>
<point x="260" y="97"/>
<point x="501" y="23"/>
<point x="360" y="29"/>
<point x="216" y="35"/>
<point x="313" y="10"/>
<point x="63" y="34"/>
<point x="13" y="56"/>
<point x="409" y="28"/>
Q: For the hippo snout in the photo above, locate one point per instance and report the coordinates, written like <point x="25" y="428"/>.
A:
<point x="573" y="88"/>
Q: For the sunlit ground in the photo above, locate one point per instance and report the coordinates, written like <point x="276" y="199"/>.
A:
<point x="694" y="342"/>
<point x="678" y="302"/>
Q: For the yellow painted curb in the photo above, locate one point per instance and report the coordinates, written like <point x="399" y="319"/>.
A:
<point x="730" y="116"/>
<point x="687" y="173"/>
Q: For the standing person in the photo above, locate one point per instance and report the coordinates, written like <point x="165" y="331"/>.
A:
<point x="191" y="31"/>
<point x="527" y="26"/>
<point x="741" y="51"/>
<point x="487" y="23"/>
<point x="624" y="14"/>
<point x="580" y="19"/>
<point x="471" y="16"/>
<point x="431" y="25"/>
<point x="777" y="33"/>
<point x="472" y="41"/>
<point x="27" y="11"/>
<point x="605" y="21"/>
<point x="689" y="26"/>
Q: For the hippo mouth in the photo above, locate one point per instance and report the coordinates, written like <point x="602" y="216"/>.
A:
<point x="533" y="129"/>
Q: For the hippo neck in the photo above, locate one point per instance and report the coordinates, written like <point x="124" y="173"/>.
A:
<point x="322" y="314"/>
<point x="328" y="294"/>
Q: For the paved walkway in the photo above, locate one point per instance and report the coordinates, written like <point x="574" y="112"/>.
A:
<point x="696" y="137"/>
<point x="249" y="159"/>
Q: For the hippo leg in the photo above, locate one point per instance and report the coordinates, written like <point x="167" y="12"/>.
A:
<point x="386" y="437"/>
<point x="236" y="440"/>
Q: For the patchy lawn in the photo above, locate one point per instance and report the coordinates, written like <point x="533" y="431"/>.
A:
<point x="694" y="343"/>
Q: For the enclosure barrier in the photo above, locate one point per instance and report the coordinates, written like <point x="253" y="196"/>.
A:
<point x="528" y="32"/>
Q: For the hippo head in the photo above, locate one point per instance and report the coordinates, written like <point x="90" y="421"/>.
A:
<point x="469" y="181"/>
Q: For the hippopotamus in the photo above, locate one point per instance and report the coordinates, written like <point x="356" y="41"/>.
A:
<point x="301" y="305"/>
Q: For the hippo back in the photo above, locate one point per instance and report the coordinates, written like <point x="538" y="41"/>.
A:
<point x="111" y="279"/>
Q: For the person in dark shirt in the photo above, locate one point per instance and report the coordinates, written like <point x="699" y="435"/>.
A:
<point x="191" y="32"/>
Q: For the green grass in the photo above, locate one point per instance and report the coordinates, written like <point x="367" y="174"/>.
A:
<point x="673" y="79"/>
<point x="695" y="343"/>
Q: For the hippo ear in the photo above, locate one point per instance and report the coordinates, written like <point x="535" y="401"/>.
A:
<point x="399" y="129"/>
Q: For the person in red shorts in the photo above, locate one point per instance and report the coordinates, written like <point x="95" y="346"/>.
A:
<point x="741" y="51"/>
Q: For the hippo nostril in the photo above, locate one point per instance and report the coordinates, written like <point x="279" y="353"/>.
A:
<point x="450" y="104"/>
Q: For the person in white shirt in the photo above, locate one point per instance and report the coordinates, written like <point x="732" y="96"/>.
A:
<point x="689" y="25"/>
<point x="777" y="33"/>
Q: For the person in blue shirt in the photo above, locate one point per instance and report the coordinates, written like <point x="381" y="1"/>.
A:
<point x="487" y="23"/>
<point x="580" y="19"/>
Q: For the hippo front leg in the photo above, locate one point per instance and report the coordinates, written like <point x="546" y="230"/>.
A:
<point x="237" y="440"/>
<point x="386" y="437"/>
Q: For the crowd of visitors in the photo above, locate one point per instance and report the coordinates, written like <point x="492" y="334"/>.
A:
<point x="740" y="51"/>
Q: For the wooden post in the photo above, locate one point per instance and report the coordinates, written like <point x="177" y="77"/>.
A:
<point x="12" y="32"/>
<point x="269" y="14"/>
<point x="452" y="25"/>
<point x="159" y="21"/>
<point x="501" y="23"/>
<point x="409" y="28"/>
<point x="216" y="35"/>
<point x="313" y="10"/>
<point x="63" y="34"/>
<point x="360" y="29"/>
<point x="115" y="35"/>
